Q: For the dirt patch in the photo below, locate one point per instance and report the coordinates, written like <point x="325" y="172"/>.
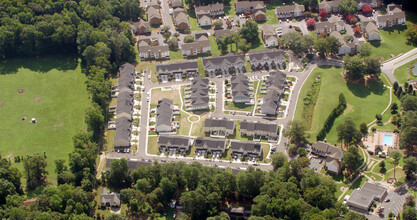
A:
<point x="37" y="99"/>
<point x="20" y="90"/>
<point x="1" y="104"/>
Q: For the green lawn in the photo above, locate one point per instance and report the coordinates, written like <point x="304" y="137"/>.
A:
<point x="59" y="85"/>
<point x="214" y="49"/>
<point x="363" y="102"/>
<point x="201" y="68"/>
<point x="158" y="94"/>
<point x="393" y="40"/>
<point x="153" y="145"/>
<point x="175" y="55"/>
<point x="402" y="74"/>
<point x="184" y="125"/>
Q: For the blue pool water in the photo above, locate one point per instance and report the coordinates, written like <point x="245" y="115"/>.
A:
<point x="387" y="139"/>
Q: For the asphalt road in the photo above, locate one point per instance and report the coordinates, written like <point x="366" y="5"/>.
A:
<point x="389" y="67"/>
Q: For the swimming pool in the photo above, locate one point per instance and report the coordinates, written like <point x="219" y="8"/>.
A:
<point x="387" y="139"/>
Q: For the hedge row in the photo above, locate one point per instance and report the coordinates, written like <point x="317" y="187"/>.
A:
<point x="328" y="124"/>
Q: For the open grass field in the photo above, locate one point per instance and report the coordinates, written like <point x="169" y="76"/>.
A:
<point x="363" y="102"/>
<point x="175" y="55"/>
<point x="158" y="94"/>
<point x="198" y="127"/>
<point x="393" y="39"/>
<point x="53" y="91"/>
<point x="402" y="74"/>
<point x="184" y="124"/>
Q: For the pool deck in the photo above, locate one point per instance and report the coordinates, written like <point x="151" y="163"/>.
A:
<point x="375" y="143"/>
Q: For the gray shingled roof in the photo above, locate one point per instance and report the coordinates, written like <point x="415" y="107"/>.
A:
<point x="205" y="9"/>
<point x="266" y="54"/>
<point x="175" y="141"/>
<point x="330" y="150"/>
<point x="109" y="197"/>
<point x="216" y="123"/>
<point x="177" y="66"/>
<point x="271" y="101"/>
<point x="180" y="15"/>
<point x="210" y="144"/>
<point x="289" y="8"/>
<point x="246" y="147"/>
<point x="164" y="112"/>
<point x="258" y="126"/>
<point x="230" y="60"/>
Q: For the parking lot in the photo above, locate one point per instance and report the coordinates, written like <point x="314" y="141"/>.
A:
<point x="315" y="164"/>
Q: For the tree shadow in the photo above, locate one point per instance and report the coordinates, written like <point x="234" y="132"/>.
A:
<point x="375" y="43"/>
<point x="396" y="28"/>
<point x="361" y="90"/>
<point x="40" y="64"/>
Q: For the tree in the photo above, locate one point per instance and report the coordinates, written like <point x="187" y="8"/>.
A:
<point x="411" y="34"/>
<point x="311" y="23"/>
<point x="173" y="43"/>
<point x="323" y="14"/>
<point x="292" y="149"/>
<point x="409" y="213"/>
<point x="354" y="67"/>
<point x="363" y="127"/>
<point x="165" y="28"/>
<point x="410" y="166"/>
<point x="382" y="167"/>
<point x="218" y="25"/>
<point x="118" y="174"/>
<point x="357" y="30"/>
<point x="348" y="134"/>
<point x="166" y="35"/>
<point x="365" y="50"/>
<point x="295" y="42"/>
<point x="372" y="66"/>
<point x="394" y="108"/>
<point x="189" y="38"/>
<point x="296" y="132"/>
<point x="321" y="46"/>
<point x="396" y="156"/>
<point x="349" y="38"/>
<point x="306" y="4"/>
<point x="348" y="6"/>
<point x="367" y="9"/>
<point x="409" y="103"/>
<point x="95" y="120"/>
<point x="35" y="171"/>
<point x="378" y="117"/>
<point x="229" y="23"/>
<point x="351" y="158"/>
<point x="408" y="139"/>
<point x="353" y="20"/>
<point x="249" y="31"/>
<point x="333" y="44"/>
<point x="278" y="160"/>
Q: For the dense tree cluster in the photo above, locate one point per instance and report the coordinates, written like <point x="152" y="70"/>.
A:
<point x="292" y="191"/>
<point x="296" y="42"/>
<point x="357" y="67"/>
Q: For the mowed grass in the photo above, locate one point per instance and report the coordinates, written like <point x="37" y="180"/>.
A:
<point x="393" y="40"/>
<point x="402" y="74"/>
<point x="363" y="102"/>
<point x="60" y="85"/>
<point x="214" y="48"/>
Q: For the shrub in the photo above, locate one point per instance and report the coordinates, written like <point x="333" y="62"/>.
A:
<point x="310" y="23"/>
<point x="328" y="124"/>
<point x="367" y="9"/>
<point x="323" y="14"/>
<point x="378" y="117"/>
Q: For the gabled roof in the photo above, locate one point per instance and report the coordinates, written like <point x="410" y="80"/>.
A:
<point x="334" y="3"/>
<point x="271" y="101"/>
<point x="205" y="9"/>
<point x="210" y="144"/>
<point x="369" y="26"/>
<point x="268" y="30"/>
<point x="258" y="126"/>
<point x="177" y="66"/>
<point x="164" y="112"/>
<point x="175" y="141"/>
<point x="267" y="54"/>
<point x="246" y="147"/>
<point x="322" y="25"/>
<point x="240" y="5"/>
<point x="289" y="8"/>
<point x="109" y="197"/>
<point x="391" y="16"/>
<point x="228" y="60"/>
<point x="225" y="32"/>
<point x="329" y="150"/>
<point x="153" y="13"/>
<point x="177" y="3"/>
<point x="216" y="123"/>
<point x="180" y="15"/>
